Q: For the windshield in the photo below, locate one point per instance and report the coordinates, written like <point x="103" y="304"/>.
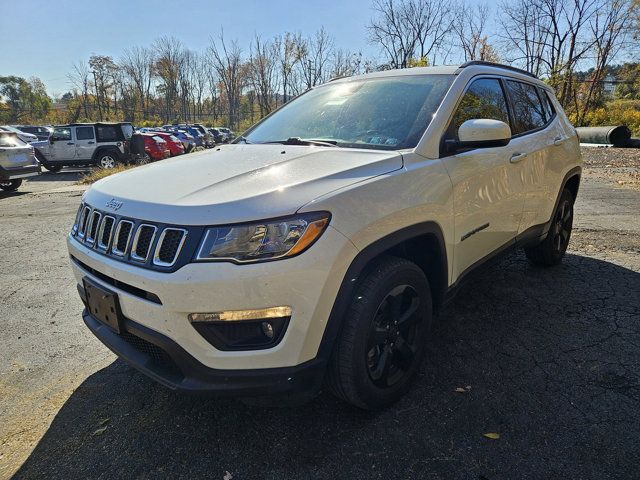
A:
<point x="381" y="113"/>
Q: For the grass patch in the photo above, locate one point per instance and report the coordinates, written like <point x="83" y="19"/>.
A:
<point x="99" y="173"/>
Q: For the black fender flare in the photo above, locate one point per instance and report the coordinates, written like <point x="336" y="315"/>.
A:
<point x="107" y="148"/>
<point x="358" y="267"/>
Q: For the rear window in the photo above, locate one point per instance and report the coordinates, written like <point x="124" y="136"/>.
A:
<point x="106" y="133"/>
<point x="549" y="111"/>
<point x="173" y="138"/>
<point x="10" y="140"/>
<point x="528" y="112"/>
<point x="127" y="131"/>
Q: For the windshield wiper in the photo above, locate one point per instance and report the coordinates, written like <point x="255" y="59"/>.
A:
<point x="305" y="141"/>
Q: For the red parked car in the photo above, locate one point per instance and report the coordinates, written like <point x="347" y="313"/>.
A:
<point x="175" y="145"/>
<point x="155" y="147"/>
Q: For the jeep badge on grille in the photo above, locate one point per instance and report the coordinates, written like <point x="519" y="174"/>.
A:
<point x="113" y="204"/>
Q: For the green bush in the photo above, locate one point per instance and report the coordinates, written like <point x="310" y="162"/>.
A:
<point x="617" y="112"/>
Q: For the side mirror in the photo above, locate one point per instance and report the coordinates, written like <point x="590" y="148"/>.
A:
<point x="482" y="133"/>
<point x="52" y="139"/>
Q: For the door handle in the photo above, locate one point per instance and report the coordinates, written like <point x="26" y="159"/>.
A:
<point x="558" y="141"/>
<point x="70" y="143"/>
<point x="517" y="157"/>
<point x="90" y="143"/>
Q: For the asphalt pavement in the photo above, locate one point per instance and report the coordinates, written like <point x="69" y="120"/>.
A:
<point x="531" y="373"/>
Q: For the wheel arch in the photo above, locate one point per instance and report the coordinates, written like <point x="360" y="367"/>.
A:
<point x="422" y="244"/>
<point x="107" y="148"/>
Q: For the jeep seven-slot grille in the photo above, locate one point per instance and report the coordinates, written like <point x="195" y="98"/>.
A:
<point x="142" y="243"/>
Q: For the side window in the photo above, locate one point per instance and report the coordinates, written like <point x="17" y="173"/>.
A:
<point x="483" y="99"/>
<point x="549" y="111"/>
<point x="62" y="133"/>
<point x="84" y="133"/>
<point x="528" y="112"/>
<point x="106" y="133"/>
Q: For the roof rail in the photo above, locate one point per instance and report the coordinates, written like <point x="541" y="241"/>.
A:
<point x="497" y="65"/>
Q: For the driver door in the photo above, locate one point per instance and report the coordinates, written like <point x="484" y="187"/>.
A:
<point x="62" y="146"/>
<point x="487" y="188"/>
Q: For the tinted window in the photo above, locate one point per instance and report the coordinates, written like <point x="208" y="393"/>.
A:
<point x="106" y="133"/>
<point x="528" y="113"/>
<point x="379" y="113"/>
<point x="84" y="133"/>
<point x="62" y="133"/>
<point x="10" y="140"/>
<point x="483" y="99"/>
<point x="546" y="104"/>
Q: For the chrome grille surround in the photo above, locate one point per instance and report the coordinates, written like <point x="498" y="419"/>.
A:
<point x="82" y="223"/>
<point x="92" y="227"/>
<point x="135" y="255"/>
<point x="157" y="255"/>
<point x="123" y="226"/>
<point x="144" y="244"/>
<point x="106" y="227"/>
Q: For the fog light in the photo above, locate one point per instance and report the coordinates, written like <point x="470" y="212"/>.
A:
<point x="267" y="329"/>
<point x="239" y="315"/>
<point x="243" y="329"/>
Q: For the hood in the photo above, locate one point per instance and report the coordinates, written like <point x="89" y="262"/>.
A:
<point x="237" y="183"/>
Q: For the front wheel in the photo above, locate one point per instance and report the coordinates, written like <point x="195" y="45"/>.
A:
<point x="383" y="340"/>
<point x="107" y="160"/>
<point x="551" y="250"/>
<point x="10" y="185"/>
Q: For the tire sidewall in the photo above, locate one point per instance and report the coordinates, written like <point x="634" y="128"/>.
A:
<point x="371" y="395"/>
<point x="566" y="197"/>
<point x="109" y="153"/>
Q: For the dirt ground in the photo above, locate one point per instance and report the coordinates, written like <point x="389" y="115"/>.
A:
<point x="549" y="359"/>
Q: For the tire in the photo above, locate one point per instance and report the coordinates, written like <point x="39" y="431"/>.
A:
<point x="552" y="249"/>
<point x="107" y="159"/>
<point x="375" y="360"/>
<point x="52" y="168"/>
<point x="144" y="160"/>
<point x="10" y="185"/>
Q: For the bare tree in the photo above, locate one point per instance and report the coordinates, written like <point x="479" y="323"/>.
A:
<point x="79" y="78"/>
<point x="313" y="58"/>
<point x="287" y="47"/>
<point x="227" y="62"/>
<point x="137" y="66"/>
<point x="263" y="73"/>
<point x="168" y="63"/>
<point x="469" y="26"/>
<point x="611" y="27"/>
<point x="410" y="31"/>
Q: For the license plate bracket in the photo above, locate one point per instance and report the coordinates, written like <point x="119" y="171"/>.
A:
<point x="103" y="305"/>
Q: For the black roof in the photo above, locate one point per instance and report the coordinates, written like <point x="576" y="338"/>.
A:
<point x="86" y="124"/>
<point x="497" y="65"/>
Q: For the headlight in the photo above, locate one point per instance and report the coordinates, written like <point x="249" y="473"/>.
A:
<point x="268" y="240"/>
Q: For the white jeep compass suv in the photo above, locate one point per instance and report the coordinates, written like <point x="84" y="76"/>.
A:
<point x="315" y="249"/>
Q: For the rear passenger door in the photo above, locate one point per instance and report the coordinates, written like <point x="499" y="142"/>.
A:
<point x="487" y="189"/>
<point x="535" y="135"/>
<point x="85" y="142"/>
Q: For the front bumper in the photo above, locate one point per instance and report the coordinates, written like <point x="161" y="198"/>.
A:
<point x="19" y="172"/>
<point x="165" y="361"/>
<point x="162" y="302"/>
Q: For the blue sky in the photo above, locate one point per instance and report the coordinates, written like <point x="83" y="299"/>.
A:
<point x="50" y="35"/>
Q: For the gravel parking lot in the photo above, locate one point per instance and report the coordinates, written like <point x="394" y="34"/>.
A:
<point x="549" y="359"/>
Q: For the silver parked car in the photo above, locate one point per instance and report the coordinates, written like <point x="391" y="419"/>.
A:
<point x="17" y="161"/>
